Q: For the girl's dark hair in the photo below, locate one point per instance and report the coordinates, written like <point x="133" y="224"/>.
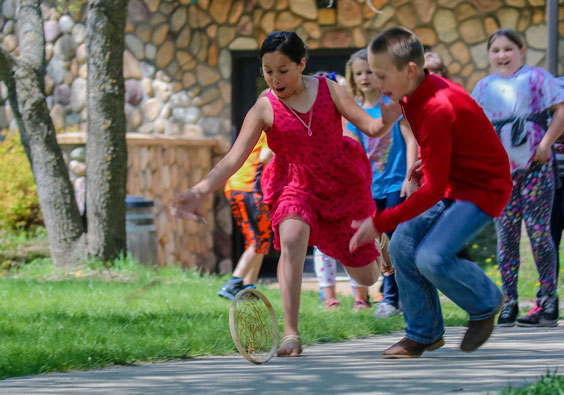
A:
<point x="289" y="43"/>
<point x="510" y="34"/>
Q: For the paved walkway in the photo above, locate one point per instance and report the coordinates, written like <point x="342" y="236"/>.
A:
<point x="516" y="356"/>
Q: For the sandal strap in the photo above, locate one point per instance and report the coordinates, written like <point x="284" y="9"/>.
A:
<point x="332" y="303"/>
<point x="292" y="338"/>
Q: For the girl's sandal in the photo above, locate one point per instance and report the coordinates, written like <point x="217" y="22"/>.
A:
<point x="291" y="343"/>
<point x="332" y="304"/>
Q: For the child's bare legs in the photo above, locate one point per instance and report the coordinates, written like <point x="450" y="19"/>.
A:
<point x="330" y="292"/>
<point x="361" y="293"/>
<point x="294" y="236"/>
<point x="248" y="266"/>
<point x="365" y="275"/>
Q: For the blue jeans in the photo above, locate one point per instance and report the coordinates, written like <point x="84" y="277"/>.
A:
<point x="424" y="254"/>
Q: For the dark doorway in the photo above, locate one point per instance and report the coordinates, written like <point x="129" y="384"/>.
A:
<point x="246" y="84"/>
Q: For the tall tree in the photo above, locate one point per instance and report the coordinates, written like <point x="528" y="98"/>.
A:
<point x="24" y="76"/>
<point x="106" y="149"/>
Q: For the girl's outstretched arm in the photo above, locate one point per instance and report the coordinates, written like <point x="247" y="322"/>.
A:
<point x="188" y="205"/>
<point x="373" y="127"/>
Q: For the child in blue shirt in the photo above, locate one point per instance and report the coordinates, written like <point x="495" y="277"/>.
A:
<point x="390" y="156"/>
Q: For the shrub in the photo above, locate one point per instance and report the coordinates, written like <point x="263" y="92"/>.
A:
<point x="19" y="203"/>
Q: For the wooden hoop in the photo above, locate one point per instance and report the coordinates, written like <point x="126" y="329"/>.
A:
<point x="232" y="325"/>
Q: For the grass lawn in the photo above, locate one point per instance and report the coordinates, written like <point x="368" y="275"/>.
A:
<point x="52" y="320"/>
<point x="55" y="321"/>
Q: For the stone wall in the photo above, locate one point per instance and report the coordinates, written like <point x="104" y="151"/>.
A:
<point x="160" y="167"/>
<point x="177" y="66"/>
<point x="178" y="52"/>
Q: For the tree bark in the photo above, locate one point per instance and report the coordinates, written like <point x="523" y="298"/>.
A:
<point x="106" y="149"/>
<point x="24" y="78"/>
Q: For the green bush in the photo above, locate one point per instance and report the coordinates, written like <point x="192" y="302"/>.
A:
<point x="19" y="204"/>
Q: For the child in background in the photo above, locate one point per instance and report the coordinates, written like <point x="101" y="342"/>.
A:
<point x="390" y="156"/>
<point x="557" y="215"/>
<point x="326" y="272"/>
<point x="434" y="64"/>
<point x="464" y="179"/>
<point x="518" y="100"/>
<point x="244" y="192"/>
<point x="318" y="181"/>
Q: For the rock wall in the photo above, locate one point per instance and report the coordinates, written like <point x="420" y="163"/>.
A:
<point x="178" y="52"/>
<point x="177" y="65"/>
<point x="160" y="167"/>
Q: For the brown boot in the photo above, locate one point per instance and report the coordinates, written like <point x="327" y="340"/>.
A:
<point x="407" y="348"/>
<point x="479" y="331"/>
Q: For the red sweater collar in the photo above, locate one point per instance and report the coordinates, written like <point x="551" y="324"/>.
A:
<point x="424" y="88"/>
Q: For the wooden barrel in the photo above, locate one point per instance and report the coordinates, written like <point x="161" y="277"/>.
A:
<point x="140" y="229"/>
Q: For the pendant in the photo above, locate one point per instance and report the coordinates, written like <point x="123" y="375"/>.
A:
<point x="309" y="132"/>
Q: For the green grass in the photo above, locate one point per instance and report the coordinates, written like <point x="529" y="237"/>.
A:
<point x="56" y="321"/>
<point x="22" y="246"/>
<point x="551" y="384"/>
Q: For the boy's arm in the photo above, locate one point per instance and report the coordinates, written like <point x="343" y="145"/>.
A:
<point x="555" y="129"/>
<point x="435" y="150"/>
<point x="411" y="156"/>
<point x="348" y="108"/>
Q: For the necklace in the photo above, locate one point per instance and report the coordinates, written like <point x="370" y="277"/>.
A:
<point x="308" y="126"/>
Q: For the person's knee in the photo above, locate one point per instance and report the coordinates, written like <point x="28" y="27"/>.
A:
<point x="292" y="241"/>
<point x="367" y="277"/>
<point x="430" y="261"/>
<point x="367" y="281"/>
<point x="399" y="251"/>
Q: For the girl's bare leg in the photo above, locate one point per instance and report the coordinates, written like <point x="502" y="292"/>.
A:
<point x="294" y="236"/>
<point x="366" y="275"/>
<point x="330" y="292"/>
<point x="361" y="293"/>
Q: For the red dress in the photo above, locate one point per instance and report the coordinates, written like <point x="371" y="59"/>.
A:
<point x="323" y="178"/>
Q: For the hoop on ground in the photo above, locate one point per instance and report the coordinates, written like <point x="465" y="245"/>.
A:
<point x="254" y="326"/>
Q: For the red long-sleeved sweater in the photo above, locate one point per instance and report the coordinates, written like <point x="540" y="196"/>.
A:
<point x="462" y="157"/>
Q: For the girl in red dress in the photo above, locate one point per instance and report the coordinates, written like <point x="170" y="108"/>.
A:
<point x="319" y="180"/>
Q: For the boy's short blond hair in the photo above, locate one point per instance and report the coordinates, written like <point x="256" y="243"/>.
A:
<point x="401" y="44"/>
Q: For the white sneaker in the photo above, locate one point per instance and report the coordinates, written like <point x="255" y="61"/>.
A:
<point x="385" y="310"/>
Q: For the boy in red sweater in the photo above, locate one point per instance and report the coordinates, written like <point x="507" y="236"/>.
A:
<point x="464" y="180"/>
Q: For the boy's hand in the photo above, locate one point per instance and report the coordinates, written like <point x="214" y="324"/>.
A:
<point x="390" y="112"/>
<point x="366" y="233"/>
<point x="188" y="206"/>
<point x="415" y="173"/>
<point x="407" y="188"/>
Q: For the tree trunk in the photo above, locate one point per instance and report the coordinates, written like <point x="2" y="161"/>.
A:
<point x="106" y="149"/>
<point x="24" y="77"/>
